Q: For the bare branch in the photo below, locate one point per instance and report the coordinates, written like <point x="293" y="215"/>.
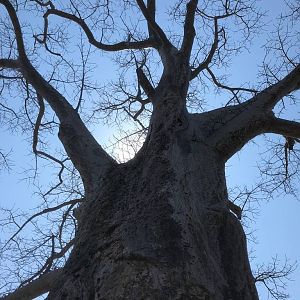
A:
<point x="89" y="34"/>
<point x="42" y="153"/>
<point x="58" y="103"/>
<point x="35" y="288"/>
<point x="211" y="53"/>
<point x="45" y="4"/>
<point x="4" y="160"/>
<point x="85" y="152"/>
<point x="83" y="77"/>
<point x="269" y="97"/>
<point x="50" y="260"/>
<point x="9" y="63"/>
<point x="151" y="6"/>
<point x="256" y="116"/>
<point x="236" y="125"/>
<point x="285" y="127"/>
<point x="233" y="90"/>
<point x="144" y="82"/>
<point x="17" y="28"/>
<point x="45" y="211"/>
<point x="153" y="25"/>
<point x="274" y="277"/>
<point x="189" y="30"/>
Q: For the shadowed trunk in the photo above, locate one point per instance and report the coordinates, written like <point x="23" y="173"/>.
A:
<point x="159" y="226"/>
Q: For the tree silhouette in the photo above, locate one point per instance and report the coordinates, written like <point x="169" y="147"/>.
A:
<point x="160" y="225"/>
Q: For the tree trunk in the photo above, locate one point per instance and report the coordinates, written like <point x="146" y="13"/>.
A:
<point x="159" y="227"/>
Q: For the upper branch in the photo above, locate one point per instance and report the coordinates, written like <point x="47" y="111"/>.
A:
<point x="285" y="127"/>
<point x="269" y="97"/>
<point x="17" y="28"/>
<point x="159" y="33"/>
<point x="85" y="152"/>
<point x="60" y="105"/>
<point x="151" y="6"/>
<point x="35" y="143"/>
<point x="243" y="122"/>
<point x="233" y="90"/>
<point x="189" y="30"/>
<point x="89" y="34"/>
<point x="211" y="53"/>
<point x="9" y="63"/>
<point x="256" y="116"/>
<point x="145" y="83"/>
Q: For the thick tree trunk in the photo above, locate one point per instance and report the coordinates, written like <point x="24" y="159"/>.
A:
<point x="159" y="228"/>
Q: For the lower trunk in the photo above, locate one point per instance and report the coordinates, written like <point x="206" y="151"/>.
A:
<point x="160" y="229"/>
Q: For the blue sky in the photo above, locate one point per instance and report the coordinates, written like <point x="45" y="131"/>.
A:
<point x="278" y="224"/>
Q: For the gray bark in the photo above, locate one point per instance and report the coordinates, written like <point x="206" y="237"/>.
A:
<point x="159" y="226"/>
<point x="36" y="287"/>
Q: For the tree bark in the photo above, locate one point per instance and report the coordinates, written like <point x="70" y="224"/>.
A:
<point x="159" y="226"/>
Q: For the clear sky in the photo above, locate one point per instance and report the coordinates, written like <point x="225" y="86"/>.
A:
<point x="278" y="224"/>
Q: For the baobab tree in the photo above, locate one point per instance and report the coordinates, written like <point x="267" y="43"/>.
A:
<point x="161" y="225"/>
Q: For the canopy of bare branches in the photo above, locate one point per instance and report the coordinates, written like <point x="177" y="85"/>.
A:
<point x="68" y="67"/>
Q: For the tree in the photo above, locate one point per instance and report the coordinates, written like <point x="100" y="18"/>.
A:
<point x="161" y="225"/>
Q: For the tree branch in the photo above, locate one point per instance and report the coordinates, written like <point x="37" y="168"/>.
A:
<point x="233" y="126"/>
<point x="87" y="155"/>
<point x="151" y="6"/>
<point x="145" y="83"/>
<point x="285" y="127"/>
<point x="44" y="211"/>
<point x="255" y="117"/>
<point x="211" y="53"/>
<point x="9" y="63"/>
<point x="17" y="28"/>
<point x="153" y="25"/>
<point x="49" y="262"/>
<point x="189" y="30"/>
<point x="113" y="47"/>
<point x="269" y="97"/>
<point x="233" y="90"/>
<point x="274" y="277"/>
<point x="35" y="288"/>
<point x="236" y="125"/>
<point x="42" y="153"/>
<point x="60" y="105"/>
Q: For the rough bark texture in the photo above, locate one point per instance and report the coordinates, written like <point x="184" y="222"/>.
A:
<point x="158" y="227"/>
